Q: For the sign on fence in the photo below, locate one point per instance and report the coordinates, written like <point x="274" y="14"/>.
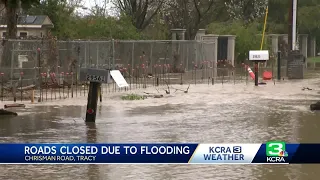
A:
<point x="118" y="78"/>
<point x="262" y="55"/>
<point x="94" y="75"/>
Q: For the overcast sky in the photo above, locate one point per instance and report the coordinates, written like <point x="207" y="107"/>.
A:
<point x="91" y="3"/>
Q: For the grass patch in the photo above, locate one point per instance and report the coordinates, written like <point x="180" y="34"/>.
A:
<point x="314" y="59"/>
<point x="132" y="97"/>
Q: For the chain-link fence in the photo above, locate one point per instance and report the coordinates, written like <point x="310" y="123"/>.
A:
<point x="52" y="67"/>
<point x="46" y="64"/>
<point x="33" y="57"/>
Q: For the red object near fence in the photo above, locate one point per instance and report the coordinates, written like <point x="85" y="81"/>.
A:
<point x="267" y="75"/>
<point x="250" y="72"/>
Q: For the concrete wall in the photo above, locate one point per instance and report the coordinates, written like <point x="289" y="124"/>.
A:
<point x="213" y="37"/>
<point x="210" y="50"/>
<point x="306" y="44"/>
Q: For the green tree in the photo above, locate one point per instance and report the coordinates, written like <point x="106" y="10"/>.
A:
<point x="70" y="25"/>
<point x="246" y="10"/>
<point x="61" y="13"/>
<point x="308" y="21"/>
<point x="98" y="27"/>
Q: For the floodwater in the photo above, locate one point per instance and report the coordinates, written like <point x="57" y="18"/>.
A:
<point x="228" y="113"/>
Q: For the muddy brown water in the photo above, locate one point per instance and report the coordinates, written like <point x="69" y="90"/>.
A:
<point x="225" y="113"/>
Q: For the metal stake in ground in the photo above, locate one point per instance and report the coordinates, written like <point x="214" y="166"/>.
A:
<point x="59" y="82"/>
<point x="71" y="74"/>
<point x="21" y="74"/>
<point x="154" y="74"/>
<point x="168" y="73"/>
<point x="213" y="75"/>
<point x="62" y="74"/>
<point x="130" y="75"/>
<point x="67" y="74"/>
<point x="195" y="74"/>
<point x="51" y="87"/>
<point x="55" y="92"/>
<point x="40" y="79"/>
<point x="39" y="62"/>
<point x="46" y="81"/>
<point x="181" y="70"/>
<point x="234" y="75"/>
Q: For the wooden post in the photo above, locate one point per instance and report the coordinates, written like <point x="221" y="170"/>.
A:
<point x="96" y="77"/>
<point x="32" y="96"/>
<point x="14" y="90"/>
<point x="256" y="79"/>
<point x="92" y="101"/>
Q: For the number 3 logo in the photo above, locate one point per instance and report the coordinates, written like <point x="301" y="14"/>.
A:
<point x="275" y="148"/>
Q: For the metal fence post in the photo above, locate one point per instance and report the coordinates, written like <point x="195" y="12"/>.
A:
<point x="132" y="56"/>
<point x="196" y="48"/>
<point x="113" y="54"/>
<point x="12" y="61"/>
<point x="186" y="65"/>
<point x="85" y="54"/>
<point x="97" y="65"/>
<point x="151" y="59"/>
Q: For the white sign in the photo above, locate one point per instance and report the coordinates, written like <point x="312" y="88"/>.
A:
<point x="94" y="75"/>
<point x="262" y="55"/>
<point x="118" y="78"/>
<point x="95" y="78"/>
<point x="21" y="59"/>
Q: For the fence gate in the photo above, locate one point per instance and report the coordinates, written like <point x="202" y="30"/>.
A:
<point x="222" y="48"/>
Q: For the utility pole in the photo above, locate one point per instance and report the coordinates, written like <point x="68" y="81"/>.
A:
<point x="295" y="61"/>
<point x="294" y="24"/>
<point x="290" y="20"/>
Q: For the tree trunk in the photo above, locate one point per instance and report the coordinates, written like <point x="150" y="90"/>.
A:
<point x="11" y="18"/>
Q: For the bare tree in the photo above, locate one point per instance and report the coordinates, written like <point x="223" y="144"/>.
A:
<point x="141" y="12"/>
<point x="246" y="10"/>
<point x="100" y="8"/>
<point x="189" y="14"/>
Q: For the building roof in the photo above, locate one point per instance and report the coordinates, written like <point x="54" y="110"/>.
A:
<point x="34" y="21"/>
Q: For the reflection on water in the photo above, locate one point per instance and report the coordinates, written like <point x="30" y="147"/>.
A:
<point x="207" y="114"/>
<point x="93" y="169"/>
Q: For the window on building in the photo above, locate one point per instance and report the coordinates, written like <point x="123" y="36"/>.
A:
<point x="4" y="34"/>
<point x="23" y="34"/>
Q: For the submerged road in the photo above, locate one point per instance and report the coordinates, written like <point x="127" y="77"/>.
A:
<point x="225" y="113"/>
